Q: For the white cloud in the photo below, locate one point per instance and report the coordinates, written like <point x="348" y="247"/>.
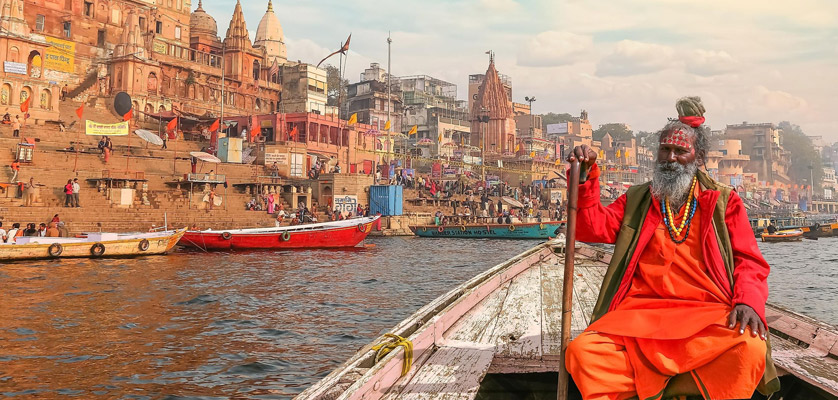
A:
<point x="776" y="101"/>
<point x="633" y="58"/>
<point x="709" y="63"/>
<point x="553" y="48"/>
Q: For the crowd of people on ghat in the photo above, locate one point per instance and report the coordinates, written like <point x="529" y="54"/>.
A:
<point x="54" y="228"/>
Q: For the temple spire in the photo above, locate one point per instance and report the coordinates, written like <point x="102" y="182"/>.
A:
<point x="270" y="6"/>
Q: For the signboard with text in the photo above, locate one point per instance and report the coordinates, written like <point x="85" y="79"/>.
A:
<point x="11" y="67"/>
<point x="346" y="203"/>
<point x="60" y="55"/>
<point x="279" y="158"/>
<point x="159" y="47"/>
<point x="96" y="129"/>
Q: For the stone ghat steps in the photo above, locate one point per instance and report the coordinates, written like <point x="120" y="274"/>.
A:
<point x="127" y="220"/>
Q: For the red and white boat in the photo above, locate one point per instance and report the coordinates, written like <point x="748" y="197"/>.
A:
<point x="324" y="235"/>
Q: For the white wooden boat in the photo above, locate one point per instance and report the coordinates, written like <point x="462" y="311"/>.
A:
<point x="506" y="322"/>
<point x="93" y="245"/>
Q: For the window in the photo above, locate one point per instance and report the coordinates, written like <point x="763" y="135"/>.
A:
<point x="39" y="23"/>
<point x="159" y="27"/>
<point x="100" y="38"/>
<point x="67" y="29"/>
<point x="88" y="9"/>
<point x="115" y="17"/>
<point x="177" y="32"/>
<point x="142" y="24"/>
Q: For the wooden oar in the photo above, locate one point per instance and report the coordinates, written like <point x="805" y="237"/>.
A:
<point x="567" y="285"/>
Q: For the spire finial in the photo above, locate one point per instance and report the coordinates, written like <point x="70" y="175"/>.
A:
<point x="200" y="5"/>
<point x="270" y="6"/>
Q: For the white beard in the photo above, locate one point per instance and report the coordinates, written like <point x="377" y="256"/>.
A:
<point x="672" y="181"/>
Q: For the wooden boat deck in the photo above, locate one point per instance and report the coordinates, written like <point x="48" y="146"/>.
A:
<point x="508" y="320"/>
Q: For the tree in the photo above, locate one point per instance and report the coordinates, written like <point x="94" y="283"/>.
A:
<point x="617" y="131"/>
<point x="649" y="140"/>
<point x="805" y="160"/>
<point x="333" y="85"/>
<point x="553" y="118"/>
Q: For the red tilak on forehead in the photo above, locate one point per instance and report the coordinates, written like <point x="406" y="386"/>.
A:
<point x="678" y="138"/>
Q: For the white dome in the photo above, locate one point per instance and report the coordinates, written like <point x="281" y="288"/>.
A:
<point x="269" y="35"/>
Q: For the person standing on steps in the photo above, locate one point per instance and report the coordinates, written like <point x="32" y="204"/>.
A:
<point x="16" y="126"/>
<point x="68" y="193"/>
<point x="76" y="188"/>
<point x="30" y="192"/>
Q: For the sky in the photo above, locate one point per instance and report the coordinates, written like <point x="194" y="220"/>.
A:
<point x="621" y="60"/>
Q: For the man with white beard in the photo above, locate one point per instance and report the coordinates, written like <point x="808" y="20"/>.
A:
<point x="685" y="283"/>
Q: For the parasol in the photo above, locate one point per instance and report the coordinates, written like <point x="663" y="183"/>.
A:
<point x="424" y="142"/>
<point x="148" y="136"/>
<point x="206" y="157"/>
<point x="512" y="202"/>
<point x="449" y="144"/>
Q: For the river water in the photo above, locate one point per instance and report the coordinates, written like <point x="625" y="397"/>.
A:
<point x="261" y="325"/>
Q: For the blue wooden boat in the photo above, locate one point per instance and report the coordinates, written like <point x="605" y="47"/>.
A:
<point x="532" y="230"/>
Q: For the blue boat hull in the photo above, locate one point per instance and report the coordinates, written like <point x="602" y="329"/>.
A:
<point x="534" y="230"/>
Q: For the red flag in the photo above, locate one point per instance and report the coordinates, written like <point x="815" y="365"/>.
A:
<point x="172" y="124"/>
<point x="80" y="110"/>
<point x="215" y="125"/>
<point x="345" y="47"/>
<point x="128" y="115"/>
<point x="24" y="107"/>
<point x="294" y="132"/>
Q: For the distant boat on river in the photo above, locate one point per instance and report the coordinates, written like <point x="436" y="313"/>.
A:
<point x="532" y="230"/>
<point x="792" y="235"/>
<point x="324" y="235"/>
<point x="91" y="245"/>
<point x="498" y="335"/>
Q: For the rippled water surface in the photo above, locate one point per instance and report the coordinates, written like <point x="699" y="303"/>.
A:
<point x="260" y="324"/>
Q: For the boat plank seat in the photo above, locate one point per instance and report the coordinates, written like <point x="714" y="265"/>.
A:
<point x="451" y="372"/>
<point x="804" y="347"/>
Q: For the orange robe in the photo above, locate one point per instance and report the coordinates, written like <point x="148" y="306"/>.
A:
<point x="672" y="321"/>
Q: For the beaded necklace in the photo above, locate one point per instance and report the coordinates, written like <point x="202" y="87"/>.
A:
<point x="686" y="222"/>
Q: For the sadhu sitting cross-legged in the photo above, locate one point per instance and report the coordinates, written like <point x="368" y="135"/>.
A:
<point x="682" y="308"/>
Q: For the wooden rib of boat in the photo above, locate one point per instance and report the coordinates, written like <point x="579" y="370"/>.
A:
<point x="532" y="230"/>
<point x="795" y="235"/>
<point x="507" y="321"/>
<point x="92" y="245"/>
<point x="325" y="235"/>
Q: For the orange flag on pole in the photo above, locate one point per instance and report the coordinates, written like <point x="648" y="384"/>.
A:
<point x="128" y="115"/>
<point x="172" y="124"/>
<point x="293" y="133"/>
<point x="24" y="107"/>
<point x="80" y="110"/>
<point x="215" y="125"/>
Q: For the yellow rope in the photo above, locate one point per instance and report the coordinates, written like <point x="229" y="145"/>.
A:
<point x="382" y="349"/>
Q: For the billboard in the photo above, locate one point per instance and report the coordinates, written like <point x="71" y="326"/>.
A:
<point x="60" y="55"/>
<point x="557" y="129"/>
<point x="96" y="129"/>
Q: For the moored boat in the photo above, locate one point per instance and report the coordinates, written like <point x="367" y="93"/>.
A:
<point x="324" y="235"/>
<point x="91" y="245"/>
<point x="794" y="235"/>
<point x="504" y="325"/>
<point x="532" y="230"/>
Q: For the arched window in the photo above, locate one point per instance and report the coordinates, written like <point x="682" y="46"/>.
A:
<point x="161" y="109"/>
<point x="25" y="93"/>
<point x="6" y="94"/>
<point x="33" y="65"/>
<point x="152" y="82"/>
<point x="14" y="54"/>
<point x="256" y="70"/>
<point x="136" y="108"/>
<point x="148" y="110"/>
<point x="46" y="99"/>
<point x="258" y="104"/>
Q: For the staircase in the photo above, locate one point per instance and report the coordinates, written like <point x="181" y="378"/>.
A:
<point x="88" y="81"/>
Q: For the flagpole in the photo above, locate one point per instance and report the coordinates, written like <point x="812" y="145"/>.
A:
<point x="389" y="97"/>
<point x="76" y="162"/>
